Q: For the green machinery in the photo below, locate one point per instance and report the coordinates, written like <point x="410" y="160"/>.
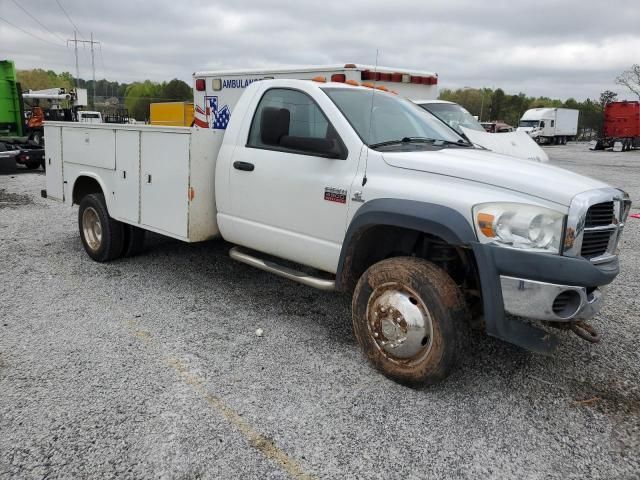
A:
<point x="11" y="106"/>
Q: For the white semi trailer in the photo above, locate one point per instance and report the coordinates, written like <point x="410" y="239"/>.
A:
<point x="552" y="126"/>
<point x="370" y="195"/>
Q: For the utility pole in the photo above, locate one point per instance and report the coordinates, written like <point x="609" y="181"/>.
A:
<point x="75" y="43"/>
<point x="93" y="68"/>
<point x="91" y="42"/>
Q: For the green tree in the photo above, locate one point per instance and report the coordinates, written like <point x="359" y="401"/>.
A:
<point x="497" y="101"/>
<point x="177" y="90"/>
<point x="607" y="97"/>
<point x="139" y="95"/>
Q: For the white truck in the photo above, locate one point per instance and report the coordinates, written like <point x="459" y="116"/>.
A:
<point x="369" y="195"/>
<point x="553" y="126"/>
<point x="87" y="116"/>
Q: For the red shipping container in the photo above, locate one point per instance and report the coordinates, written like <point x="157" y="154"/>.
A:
<point x="622" y="119"/>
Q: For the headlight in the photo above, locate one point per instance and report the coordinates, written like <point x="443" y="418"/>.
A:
<point x="518" y="225"/>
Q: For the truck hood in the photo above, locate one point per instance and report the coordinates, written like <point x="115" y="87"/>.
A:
<point x="525" y="176"/>
<point x="515" y="144"/>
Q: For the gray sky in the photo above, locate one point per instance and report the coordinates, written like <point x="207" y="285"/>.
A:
<point x="562" y="48"/>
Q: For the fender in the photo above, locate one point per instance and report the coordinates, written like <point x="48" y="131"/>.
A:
<point x="444" y="222"/>
<point x="95" y="177"/>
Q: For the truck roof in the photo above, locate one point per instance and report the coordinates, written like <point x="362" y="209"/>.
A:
<point x="312" y="69"/>
<point x="423" y="102"/>
<point x="539" y="113"/>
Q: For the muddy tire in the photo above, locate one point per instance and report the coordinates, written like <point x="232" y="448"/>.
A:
<point x="102" y="236"/>
<point x="409" y="318"/>
<point x="133" y="241"/>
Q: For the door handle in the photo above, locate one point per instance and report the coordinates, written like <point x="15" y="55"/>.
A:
<point x="148" y="178"/>
<point x="246" y="166"/>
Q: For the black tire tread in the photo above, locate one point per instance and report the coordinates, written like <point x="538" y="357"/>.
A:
<point x="112" y="230"/>
<point x="446" y="305"/>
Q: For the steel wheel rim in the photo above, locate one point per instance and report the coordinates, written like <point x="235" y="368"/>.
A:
<point x="399" y="323"/>
<point x="92" y="228"/>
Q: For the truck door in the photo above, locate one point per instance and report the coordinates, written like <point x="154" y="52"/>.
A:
<point x="290" y="180"/>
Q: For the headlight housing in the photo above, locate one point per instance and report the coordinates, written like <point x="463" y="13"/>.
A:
<point x="518" y="225"/>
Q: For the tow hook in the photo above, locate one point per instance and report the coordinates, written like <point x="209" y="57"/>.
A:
<point x="585" y="331"/>
<point x="580" y="328"/>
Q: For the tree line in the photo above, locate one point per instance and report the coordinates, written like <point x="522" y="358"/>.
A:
<point x="135" y="96"/>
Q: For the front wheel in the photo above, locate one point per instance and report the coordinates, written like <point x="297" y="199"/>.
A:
<point x="102" y="236"/>
<point x="408" y="316"/>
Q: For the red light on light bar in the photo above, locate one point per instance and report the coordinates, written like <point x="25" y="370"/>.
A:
<point x="416" y="79"/>
<point x="200" y="85"/>
<point x="369" y="75"/>
<point x="429" y="80"/>
<point x="338" y="77"/>
<point x="396" y="77"/>
<point x="385" y="77"/>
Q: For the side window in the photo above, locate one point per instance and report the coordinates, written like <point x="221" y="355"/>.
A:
<point x="290" y="120"/>
<point x="552" y="122"/>
<point x="542" y="123"/>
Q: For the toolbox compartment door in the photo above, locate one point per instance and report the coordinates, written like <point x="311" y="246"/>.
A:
<point x="53" y="162"/>
<point x="164" y="182"/>
<point x="93" y="147"/>
<point x="126" y="185"/>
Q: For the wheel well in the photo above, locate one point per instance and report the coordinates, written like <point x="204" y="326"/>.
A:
<point x="380" y="242"/>
<point x="83" y="187"/>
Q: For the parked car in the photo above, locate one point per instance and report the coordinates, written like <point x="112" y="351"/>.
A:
<point x="454" y="115"/>
<point x="497" y="127"/>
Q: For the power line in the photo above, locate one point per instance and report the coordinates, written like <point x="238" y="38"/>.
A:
<point x="69" y="18"/>
<point x="37" y="21"/>
<point x="29" y="33"/>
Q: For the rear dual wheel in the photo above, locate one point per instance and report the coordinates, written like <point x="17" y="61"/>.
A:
<point x="408" y="318"/>
<point x="104" y="238"/>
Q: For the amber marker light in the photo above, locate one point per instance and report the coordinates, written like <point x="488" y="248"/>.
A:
<point x="485" y="222"/>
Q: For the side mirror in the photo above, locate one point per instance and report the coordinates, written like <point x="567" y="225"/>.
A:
<point x="321" y="146"/>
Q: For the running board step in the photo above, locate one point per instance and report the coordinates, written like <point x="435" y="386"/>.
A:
<point x="268" y="266"/>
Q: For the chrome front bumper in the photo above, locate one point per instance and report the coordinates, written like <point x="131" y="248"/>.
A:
<point x="548" y="301"/>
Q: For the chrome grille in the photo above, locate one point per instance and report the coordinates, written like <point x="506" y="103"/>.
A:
<point x="595" y="223"/>
<point x="595" y="243"/>
<point x="600" y="214"/>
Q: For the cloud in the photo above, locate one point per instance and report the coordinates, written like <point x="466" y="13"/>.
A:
<point x="568" y="49"/>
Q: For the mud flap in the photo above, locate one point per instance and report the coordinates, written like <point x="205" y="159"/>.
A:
<point x="498" y="324"/>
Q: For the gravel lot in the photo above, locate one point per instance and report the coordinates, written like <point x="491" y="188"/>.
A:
<point x="150" y="367"/>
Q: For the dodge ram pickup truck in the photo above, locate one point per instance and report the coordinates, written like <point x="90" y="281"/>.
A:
<point x="370" y="195"/>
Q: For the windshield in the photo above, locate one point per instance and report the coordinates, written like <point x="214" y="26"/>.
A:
<point x="453" y="115"/>
<point x="529" y="123"/>
<point x="379" y="117"/>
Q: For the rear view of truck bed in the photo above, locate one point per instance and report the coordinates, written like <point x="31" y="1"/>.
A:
<point x="158" y="178"/>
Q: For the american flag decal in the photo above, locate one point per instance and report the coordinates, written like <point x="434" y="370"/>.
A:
<point x="220" y="116"/>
